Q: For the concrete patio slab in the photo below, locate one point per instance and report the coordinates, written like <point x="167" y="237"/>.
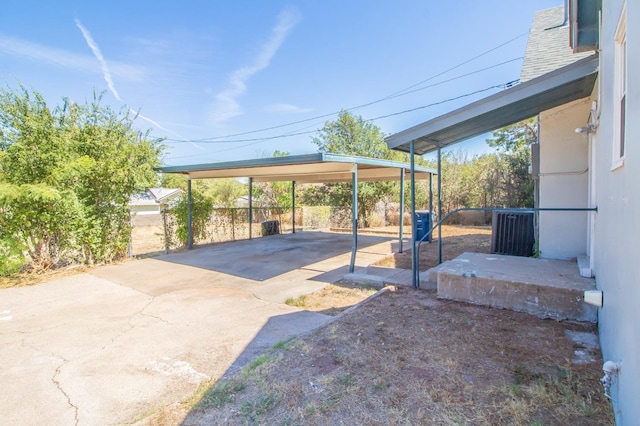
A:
<point x="112" y="345"/>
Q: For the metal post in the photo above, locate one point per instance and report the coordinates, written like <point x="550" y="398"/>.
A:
<point x="439" y="205"/>
<point x="166" y="232"/>
<point x="431" y="200"/>
<point x="354" y="249"/>
<point x="189" y="216"/>
<point x="415" y="279"/>
<point x="293" y="204"/>
<point x="401" y="208"/>
<point x="250" y="205"/>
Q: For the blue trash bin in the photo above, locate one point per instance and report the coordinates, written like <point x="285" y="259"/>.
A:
<point x="422" y="224"/>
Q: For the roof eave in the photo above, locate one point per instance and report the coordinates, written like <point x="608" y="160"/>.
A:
<point x="574" y="81"/>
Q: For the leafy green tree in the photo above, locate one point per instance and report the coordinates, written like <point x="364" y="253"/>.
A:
<point x="514" y="149"/>
<point x="352" y="135"/>
<point x="66" y="175"/>
<point x="201" y="209"/>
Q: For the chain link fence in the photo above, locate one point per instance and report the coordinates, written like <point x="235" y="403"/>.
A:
<point x="151" y="232"/>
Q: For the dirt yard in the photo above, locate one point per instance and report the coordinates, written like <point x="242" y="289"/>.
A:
<point x="406" y="357"/>
<point x="456" y="239"/>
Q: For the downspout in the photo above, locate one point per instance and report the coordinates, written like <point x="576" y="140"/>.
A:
<point x="250" y="206"/>
<point x="189" y="216"/>
<point x="415" y="273"/>
<point x="400" y="237"/>
<point x="354" y="191"/>
<point x="293" y="206"/>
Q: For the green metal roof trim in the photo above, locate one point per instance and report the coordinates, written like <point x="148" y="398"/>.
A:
<point x="559" y="87"/>
<point x="309" y="168"/>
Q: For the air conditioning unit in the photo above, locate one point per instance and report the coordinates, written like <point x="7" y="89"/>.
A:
<point x="512" y="233"/>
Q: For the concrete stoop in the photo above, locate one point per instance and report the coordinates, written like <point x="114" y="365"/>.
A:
<point x="545" y="288"/>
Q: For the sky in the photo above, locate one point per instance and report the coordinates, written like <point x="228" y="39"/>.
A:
<point x="234" y="80"/>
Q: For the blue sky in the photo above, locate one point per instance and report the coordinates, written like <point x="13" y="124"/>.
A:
<point x="207" y="75"/>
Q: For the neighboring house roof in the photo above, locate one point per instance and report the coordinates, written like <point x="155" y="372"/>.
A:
<point x="162" y="194"/>
<point x="548" y="46"/>
<point x="153" y="196"/>
<point x="569" y="83"/>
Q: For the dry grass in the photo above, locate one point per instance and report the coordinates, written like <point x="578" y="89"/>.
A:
<point x="334" y="298"/>
<point x="456" y="239"/>
<point x="408" y="358"/>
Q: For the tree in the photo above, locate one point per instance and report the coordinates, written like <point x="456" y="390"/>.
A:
<point x="66" y="175"/>
<point x="499" y="179"/>
<point x="514" y="149"/>
<point x="353" y="135"/>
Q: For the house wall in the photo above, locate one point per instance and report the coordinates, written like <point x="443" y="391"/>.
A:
<point x="617" y="228"/>
<point x="563" y="180"/>
<point x="145" y="209"/>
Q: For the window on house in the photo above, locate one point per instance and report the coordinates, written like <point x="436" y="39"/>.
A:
<point x="620" y="99"/>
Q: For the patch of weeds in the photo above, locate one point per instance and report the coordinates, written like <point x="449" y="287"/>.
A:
<point x="328" y="403"/>
<point x="347" y="380"/>
<point x="286" y="344"/>
<point x="254" y="409"/>
<point x="368" y="287"/>
<point x="219" y="395"/>
<point x="257" y="362"/>
<point x="299" y="301"/>
<point x="310" y="409"/>
<point x="524" y="376"/>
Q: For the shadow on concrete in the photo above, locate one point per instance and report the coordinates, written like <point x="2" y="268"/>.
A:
<point x="267" y="257"/>
<point x="277" y="329"/>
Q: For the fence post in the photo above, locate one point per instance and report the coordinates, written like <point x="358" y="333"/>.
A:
<point x="233" y="224"/>
<point x="164" y="226"/>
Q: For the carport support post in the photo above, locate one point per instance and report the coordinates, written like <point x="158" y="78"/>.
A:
<point x="293" y="206"/>
<point x="414" y="258"/>
<point x="439" y="205"/>
<point x="431" y="202"/>
<point x="189" y="216"/>
<point x="401" y="207"/>
<point x="250" y="205"/>
<point x="354" y="249"/>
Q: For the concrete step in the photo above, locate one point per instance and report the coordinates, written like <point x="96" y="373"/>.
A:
<point x="541" y="287"/>
<point x="378" y="275"/>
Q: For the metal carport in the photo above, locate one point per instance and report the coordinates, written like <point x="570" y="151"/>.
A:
<point x="559" y="87"/>
<point x="310" y="168"/>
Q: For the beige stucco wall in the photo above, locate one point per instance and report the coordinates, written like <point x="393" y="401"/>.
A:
<point x="564" y="180"/>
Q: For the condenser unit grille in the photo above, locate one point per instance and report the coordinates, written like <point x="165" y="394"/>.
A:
<point x="513" y="233"/>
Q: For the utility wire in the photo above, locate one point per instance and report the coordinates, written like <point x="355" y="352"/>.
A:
<point x="216" y="139"/>
<point x="256" y="141"/>
<point x="391" y="96"/>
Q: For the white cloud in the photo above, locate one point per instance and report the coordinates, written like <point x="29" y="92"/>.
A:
<point x="286" y="108"/>
<point x="63" y="58"/>
<point x="226" y="105"/>
<point x="98" y="54"/>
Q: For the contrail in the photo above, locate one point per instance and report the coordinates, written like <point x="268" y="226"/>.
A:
<point x="226" y="104"/>
<point x="155" y="123"/>
<point x="98" y="54"/>
<point x="107" y="77"/>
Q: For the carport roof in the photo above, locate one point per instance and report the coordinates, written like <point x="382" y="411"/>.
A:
<point x="310" y="168"/>
<point x="564" y="85"/>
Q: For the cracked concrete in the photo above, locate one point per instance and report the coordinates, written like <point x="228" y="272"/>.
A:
<point x="57" y="383"/>
<point x="108" y="346"/>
